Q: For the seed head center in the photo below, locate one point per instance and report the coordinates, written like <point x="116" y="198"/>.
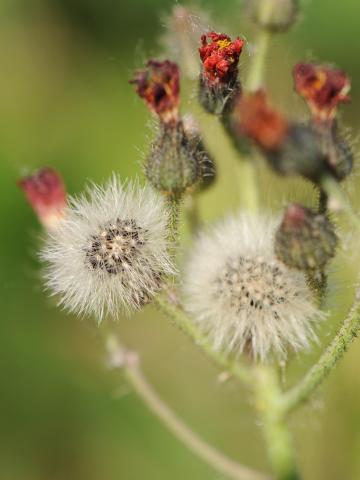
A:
<point x="253" y="283"/>
<point x="115" y="247"/>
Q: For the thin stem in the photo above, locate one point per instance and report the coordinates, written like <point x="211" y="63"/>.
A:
<point x="301" y="392"/>
<point x="337" y="200"/>
<point x="174" y="211"/>
<point x="192" y="213"/>
<point x="177" y="314"/>
<point x="276" y="434"/>
<point x="217" y="460"/>
<point x="255" y="79"/>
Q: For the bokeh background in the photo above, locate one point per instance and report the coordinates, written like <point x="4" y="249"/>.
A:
<point x="65" y="101"/>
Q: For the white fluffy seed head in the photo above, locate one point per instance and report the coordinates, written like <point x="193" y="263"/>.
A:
<point x="110" y="252"/>
<point x="242" y="297"/>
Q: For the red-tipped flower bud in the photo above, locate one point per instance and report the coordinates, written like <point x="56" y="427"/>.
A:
<point x="159" y="86"/>
<point x="305" y="239"/>
<point x="322" y="87"/>
<point x="46" y="193"/>
<point x="218" y="80"/>
<point x="254" y="118"/>
<point x="289" y="148"/>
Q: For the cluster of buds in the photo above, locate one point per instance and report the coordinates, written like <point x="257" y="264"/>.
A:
<point x="291" y="147"/>
<point x="175" y="161"/>
<point x="305" y="239"/>
<point x="46" y="193"/>
<point x="219" y="83"/>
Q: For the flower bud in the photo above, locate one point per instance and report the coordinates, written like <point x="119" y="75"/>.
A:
<point x="289" y="148"/>
<point x="253" y="117"/>
<point x="159" y="86"/>
<point x="273" y="15"/>
<point x="219" y="84"/>
<point x="322" y="87"/>
<point x="300" y="153"/>
<point x="305" y="239"/>
<point x="337" y="150"/>
<point x="46" y="193"/>
<point x="173" y="164"/>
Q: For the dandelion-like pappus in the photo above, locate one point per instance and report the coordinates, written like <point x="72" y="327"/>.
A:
<point x="242" y="296"/>
<point x="110" y="252"/>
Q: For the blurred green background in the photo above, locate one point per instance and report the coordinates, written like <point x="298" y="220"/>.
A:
<point x="65" y="102"/>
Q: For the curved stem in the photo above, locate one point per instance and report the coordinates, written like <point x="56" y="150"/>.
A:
<point x="317" y="374"/>
<point x="337" y="200"/>
<point x="177" y="314"/>
<point x="276" y="434"/>
<point x="217" y="460"/>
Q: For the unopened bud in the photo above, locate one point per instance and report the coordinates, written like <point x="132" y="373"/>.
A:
<point x="322" y="87"/>
<point x="290" y="148"/>
<point x="173" y="165"/>
<point x="159" y="85"/>
<point x="219" y="83"/>
<point x="255" y="118"/>
<point x="46" y="193"/>
<point x="337" y="150"/>
<point x="305" y="240"/>
<point x="273" y="15"/>
<point x="300" y="153"/>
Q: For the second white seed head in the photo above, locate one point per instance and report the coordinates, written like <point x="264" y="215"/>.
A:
<point x="242" y="297"/>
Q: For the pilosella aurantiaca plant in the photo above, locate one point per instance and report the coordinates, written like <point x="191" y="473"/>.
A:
<point x="250" y="289"/>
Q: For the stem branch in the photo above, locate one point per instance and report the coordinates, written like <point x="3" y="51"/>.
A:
<point x="276" y="434"/>
<point x="217" y="460"/>
<point x="316" y="375"/>
<point x="177" y="314"/>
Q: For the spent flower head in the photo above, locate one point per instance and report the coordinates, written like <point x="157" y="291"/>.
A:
<point x="323" y="88"/>
<point x="220" y="57"/>
<point x="219" y="83"/>
<point x="242" y="296"/>
<point x="110" y="252"/>
<point x="46" y="193"/>
<point x="159" y="85"/>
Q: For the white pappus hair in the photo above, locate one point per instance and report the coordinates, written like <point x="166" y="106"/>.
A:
<point x="242" y="297"/>
<point x="110" y="252"/>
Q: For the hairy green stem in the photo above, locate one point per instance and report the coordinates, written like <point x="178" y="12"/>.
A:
<point x="174" y="211"/>
<point x="180" y="318"/>
<point x="129" y="362"/>
<point x="301" y="392"/>
<point x="276" y="434"/>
